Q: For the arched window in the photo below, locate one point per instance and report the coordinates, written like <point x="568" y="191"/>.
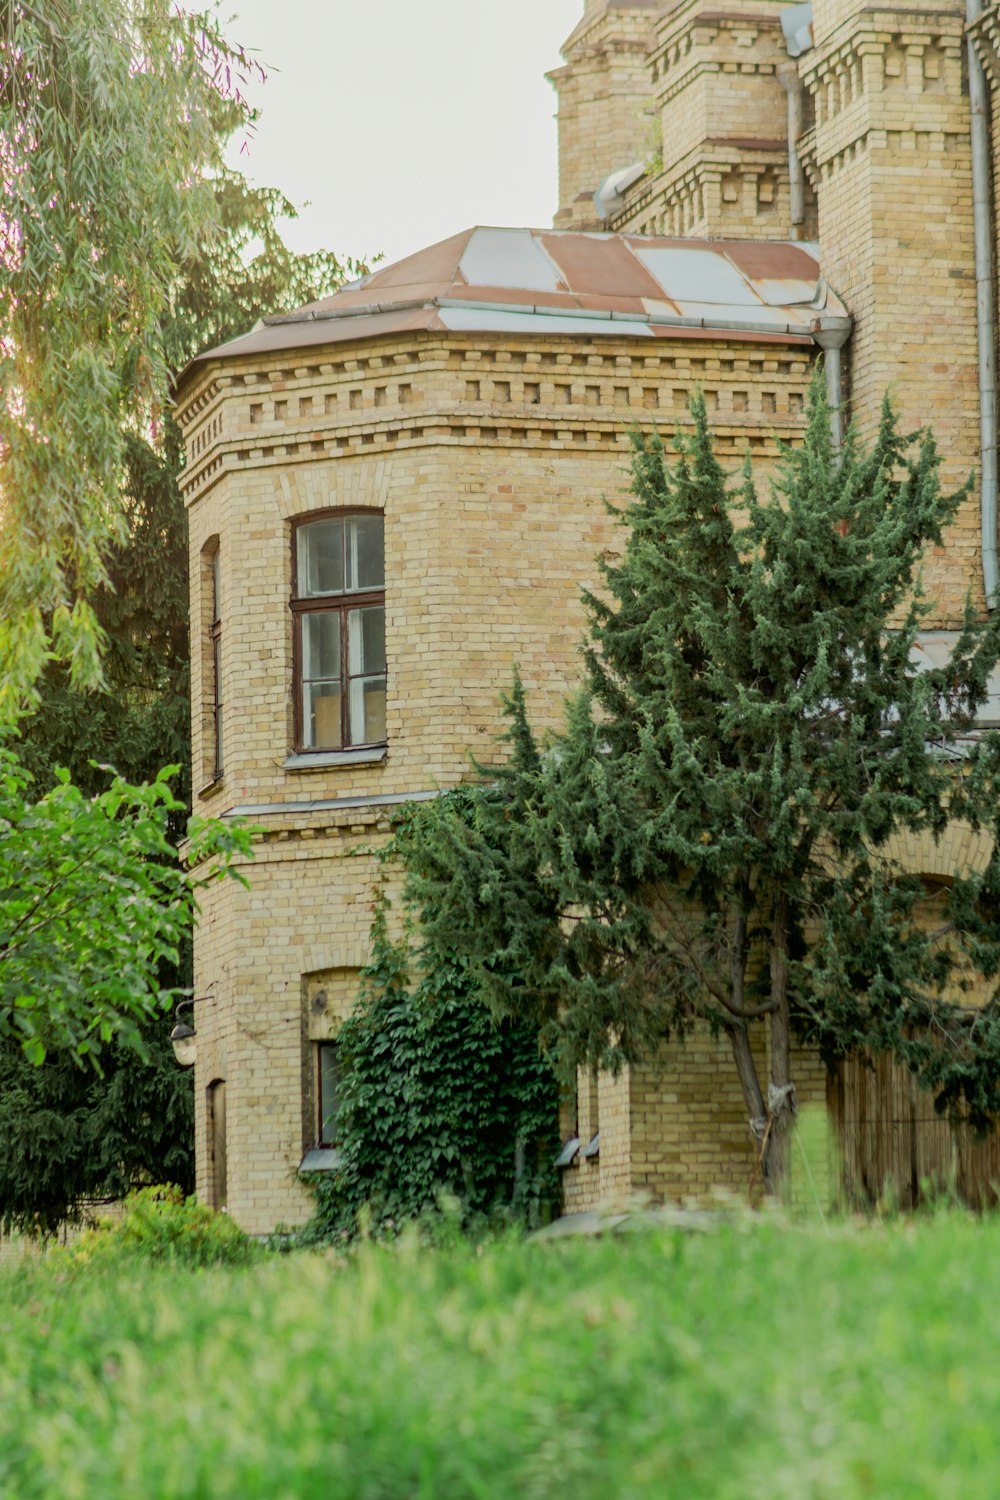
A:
<point x="215" y="1107"/>
<point x="338" y="606"/>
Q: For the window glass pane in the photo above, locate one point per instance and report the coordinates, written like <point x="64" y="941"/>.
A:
<point x="329" y="1073"/>
<point x="216" y="587"/>
<point x="321" y="716"/>
<point x="321" y="644"/>
<point x="365" y="552"/>
<point x="366" y="640"/>
<point x="320" y="548"/>
<point x="368" y="710"/>
<point x="217" y="705"/>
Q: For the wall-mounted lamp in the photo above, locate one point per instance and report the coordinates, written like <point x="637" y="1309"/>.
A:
<point x="183" y="1038"/>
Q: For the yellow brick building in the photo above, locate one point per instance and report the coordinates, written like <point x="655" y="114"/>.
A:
<point x="395" y="495"/>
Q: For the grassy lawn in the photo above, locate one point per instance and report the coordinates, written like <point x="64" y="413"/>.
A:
<point x="756" y="1361"/>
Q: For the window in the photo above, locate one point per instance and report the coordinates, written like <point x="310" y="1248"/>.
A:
<point x="338" y="605"/>
<point x="326" y="1093"/>
<point x="215" y="1102"/>
<point x="215" y="637"/>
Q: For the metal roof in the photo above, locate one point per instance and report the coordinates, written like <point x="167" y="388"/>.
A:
<point x="543" y="281"/>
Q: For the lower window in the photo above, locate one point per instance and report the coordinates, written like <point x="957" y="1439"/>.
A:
<point x="326" y="1092"/>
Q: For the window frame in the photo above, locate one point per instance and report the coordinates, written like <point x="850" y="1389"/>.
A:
<point x="215" y="646"/>
<point x="341" y="604"/>
<point x="326" y="1126"/>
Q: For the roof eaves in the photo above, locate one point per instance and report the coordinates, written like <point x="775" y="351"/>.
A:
<point x="363" y="310"/>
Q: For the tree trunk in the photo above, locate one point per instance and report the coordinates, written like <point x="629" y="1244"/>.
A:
<point x="781" y="1093"/>
<point x="746" y="1069"/>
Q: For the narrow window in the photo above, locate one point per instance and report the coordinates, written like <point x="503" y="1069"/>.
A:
<point x="215" y="636"/>
<point x="215" y="1101"/>
<point x="339" y="611"/>
<point x="326" y="1093"/>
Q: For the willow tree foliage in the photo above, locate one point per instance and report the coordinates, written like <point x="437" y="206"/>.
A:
<point x="713" y="836"/>
<point x="109" y="131"/>
<point x="138" y="719"/>
<point x="69" y="1133"/>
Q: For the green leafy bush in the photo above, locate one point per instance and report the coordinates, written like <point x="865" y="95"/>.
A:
<point x="160" y="1224"/>
<point x="437" y="1101"/>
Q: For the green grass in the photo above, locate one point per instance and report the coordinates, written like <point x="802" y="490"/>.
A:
<point x="780" y="1362"/>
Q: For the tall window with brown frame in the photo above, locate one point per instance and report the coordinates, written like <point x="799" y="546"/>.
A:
<point x="338" y="609"/>
<point x="326" y="1093"/>
<point x="215" y="638"/>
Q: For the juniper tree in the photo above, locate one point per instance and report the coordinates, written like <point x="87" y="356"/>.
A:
<point x="709" y="838"/>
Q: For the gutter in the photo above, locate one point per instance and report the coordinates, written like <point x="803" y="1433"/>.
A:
<point x="985" y="315"/>
<point x="731" y="318"/>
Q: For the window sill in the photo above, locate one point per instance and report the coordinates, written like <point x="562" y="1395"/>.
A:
<point x="320" y="1159"/>
<point x="325" y="760"/>
<point x="569" y="1152"/>
<point x="211" y="787"/>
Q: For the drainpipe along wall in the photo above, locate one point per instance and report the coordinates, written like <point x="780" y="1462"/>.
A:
<point x="831" y="339"/>
<point x="982" y="232"/>
<point x="788" y="76"/>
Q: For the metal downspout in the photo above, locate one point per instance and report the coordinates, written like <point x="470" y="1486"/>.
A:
<point x="982" y="232"/>
<point x="788" y="76"/>
<point x="831" y="340"/>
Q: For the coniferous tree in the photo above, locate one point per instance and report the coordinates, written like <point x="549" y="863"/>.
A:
<point x="711" y="837"/>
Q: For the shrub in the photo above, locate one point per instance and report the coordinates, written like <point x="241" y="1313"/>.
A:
<point x="437" y="1103"/>
<point x="160" y="1224"/>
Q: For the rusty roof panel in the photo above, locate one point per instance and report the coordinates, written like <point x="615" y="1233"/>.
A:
<point x="308" y="334"/>
<point x="436" y="265"/>
<point x="514" y="296"/>
<point x="774" y="260"/>
<point x="370" y="295"/>
<point x="600" y="265"/>
<point x="613" y="304"/>
<point x="780" y="274"/>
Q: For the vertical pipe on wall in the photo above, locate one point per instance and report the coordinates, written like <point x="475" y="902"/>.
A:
<point x="788" y="75"/>
<point x="985" y="318"/>
<point x="831" y="338"/>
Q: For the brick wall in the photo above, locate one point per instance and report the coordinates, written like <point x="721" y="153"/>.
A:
<point x="891" y="154"/>
<point x="606" y="110"/>
<point x="886" y="154"/>
<point x="490" y="461"/>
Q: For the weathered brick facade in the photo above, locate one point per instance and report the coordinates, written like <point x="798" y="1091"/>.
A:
<point x="488" y="451"/>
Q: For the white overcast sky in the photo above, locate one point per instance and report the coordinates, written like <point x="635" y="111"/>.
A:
<point x="401" y="122"/>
